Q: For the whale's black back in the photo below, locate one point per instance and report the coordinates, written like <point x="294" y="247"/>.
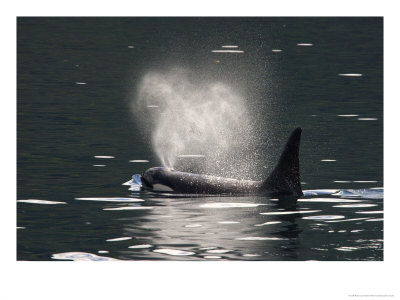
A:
<point x="284" y="179"/>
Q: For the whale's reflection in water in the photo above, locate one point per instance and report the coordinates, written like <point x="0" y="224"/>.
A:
<point x="320" y="226"/>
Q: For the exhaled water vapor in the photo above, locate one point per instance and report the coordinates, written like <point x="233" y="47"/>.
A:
<point x="196" y="125"/>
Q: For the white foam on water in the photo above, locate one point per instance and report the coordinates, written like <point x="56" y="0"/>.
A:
<point x="229" y="205"/>
<point x="228" y="222"/>
<point x="80" y="83"/>
<point x="370" y="212"/>
<point x="173" y="252"/>
<point x="376" y="193"/>
<point x="355" y="205"/>
<point x="304" y="44"/>
<point x="346" y="220"/>
<point x="227" y="51"/>
<point x="98" y="165"/>
<point x="324" y="217"/>
<point x="289" y="212"/>
<point x="119" y="239"/>
<point x="328" y="200"/>
<point x="276" y="50"/>
<point x="374" y="220"/>
<point x="260" y="238"/>
<point x="229" y="46"/>
<point x="219" y="251"/>
<point x="328" y="159"/>
<point x="110" y="199"/>
<point x="130" y="208"/>
<point x="104" y="156"/>
<point x="268" y="223"/>
<point x="190" y="155"/>
<point x="351" y="74"/>
<point x="345" y="193"/>
<point x="38" y="201"/>
<point x="81" y="256"/>
<point x="143" y="246"/>
<point x="348" y="116"/>
<point x="193" y="225"/>
<point x="139" y="161"/>
<point x="319" y="192"/>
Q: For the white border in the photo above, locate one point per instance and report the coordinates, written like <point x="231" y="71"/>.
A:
<point x="197" y="280"/>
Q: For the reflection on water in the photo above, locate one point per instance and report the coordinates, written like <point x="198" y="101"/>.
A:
<point x="37" y="201"/>
<point x="228" y="205"/>
<point x="351" y="75"/>
<point x="173" y="252"/>
<point x="304" y="44"/>
<point x="244" y="228"/>
<point x="81" y="256"/>
<point x="119" y="239"/>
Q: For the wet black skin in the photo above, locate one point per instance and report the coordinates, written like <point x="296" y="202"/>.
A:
<point x="284" y="180"/>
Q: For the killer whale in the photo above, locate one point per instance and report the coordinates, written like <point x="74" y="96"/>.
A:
<point x="284" y="180"/>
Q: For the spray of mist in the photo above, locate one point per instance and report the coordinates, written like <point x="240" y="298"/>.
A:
<point x="196" y="125"/>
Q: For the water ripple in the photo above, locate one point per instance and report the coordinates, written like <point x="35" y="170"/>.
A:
<point x="268" y="223"/>
<point x="324" y="217"/>
<point x="219" y="251"/>
<point x="346" y="220"/>
<point x="229" y="205"/>
<point x="111" y="199"/>
<point x="142" y="246"/>
<point x="290" y="212"/>
<point x="81" y="256"/>
<point x="119" y="239"/>
<point x="370" y="212"/>
<point x="130" y="208"/>
<point x="328" y="200"/>
<point x="37" y="201"/>
<point x="355" y="205"/>
<point x="260" y="238"/>
<point x="173" y="252"/>
<point x="347" y="248"/>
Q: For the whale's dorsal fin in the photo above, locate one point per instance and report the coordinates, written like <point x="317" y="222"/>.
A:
<point x="285" y="178"/>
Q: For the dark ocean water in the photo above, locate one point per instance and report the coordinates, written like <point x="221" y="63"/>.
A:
<point x="77" y="79"/>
